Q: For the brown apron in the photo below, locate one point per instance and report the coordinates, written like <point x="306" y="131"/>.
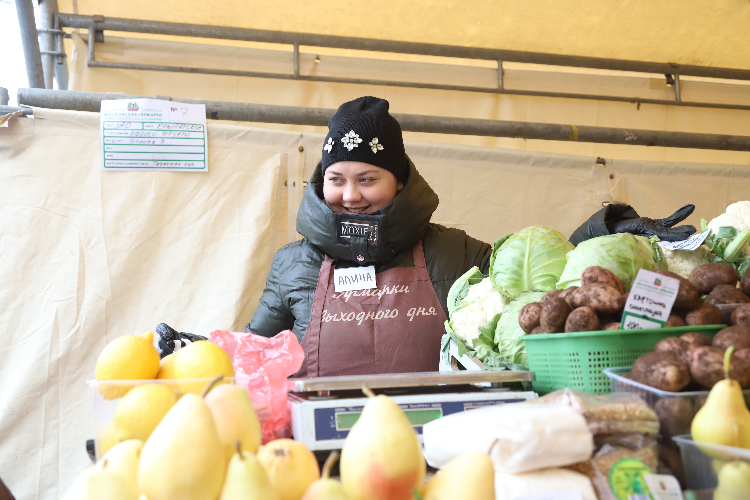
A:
<point x="394" y="328"/>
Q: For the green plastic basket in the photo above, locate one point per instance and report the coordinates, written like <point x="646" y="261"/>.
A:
<point x="576" y="360"/>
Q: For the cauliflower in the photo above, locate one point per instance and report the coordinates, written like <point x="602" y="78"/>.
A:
<point x="484" y="303"/>
<point x="737" y="215"/>
<point x="683" y="262"/>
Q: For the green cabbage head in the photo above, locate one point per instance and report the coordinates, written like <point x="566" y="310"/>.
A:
<point x="508" y="330"/>
<point x="530" y="260"/>
<point x="623" y="254"/>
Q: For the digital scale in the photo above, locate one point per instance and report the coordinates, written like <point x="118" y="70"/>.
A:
<point x="324" y="409"/>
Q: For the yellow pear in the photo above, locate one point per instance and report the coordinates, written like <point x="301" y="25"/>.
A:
<point x="469" y="475"/>
<point x="183" y="457"/>
<point x="326" y="488"/>
<point x="734" y="481"/>
<point x="235" y="418"/>
<point x="290" y="466"/>
<point x="122" y="459"/>
<point x="246" y="478"/>
<point x="109" y="437"/>
<point x="97" y="482"/>
<point x="724" y="418"/>
<point x="381" y="458"/>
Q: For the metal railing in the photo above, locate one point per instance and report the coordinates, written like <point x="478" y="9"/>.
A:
<point x="294" y="115"/>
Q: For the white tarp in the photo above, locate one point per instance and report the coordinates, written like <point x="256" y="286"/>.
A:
<point x="88" y="256"/>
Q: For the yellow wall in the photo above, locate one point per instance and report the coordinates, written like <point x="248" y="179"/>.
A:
<point x="696" y="32"/>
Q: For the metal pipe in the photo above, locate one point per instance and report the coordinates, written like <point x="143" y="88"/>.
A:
<point x="219" y="110"/>
<point x="433" y="86"/>
<point x="4" y="110"/>
<point x="30" y="42"/>
<point x="4" y="97"/>
<point x="61" y="68"/>
<point x="47" y="11"/>
<point x="677" y="96"/>
<point x="296" y="59"/>
<point x="341" y="42"/>
<point x="500" y="84"/>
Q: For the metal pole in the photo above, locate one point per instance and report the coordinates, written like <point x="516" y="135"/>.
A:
<point x="30" y="41"/>
<point x="61" y="68"/>
<point x="47" y="41"/>
<point x="4" y="97"/>
<point x="341" y="42"/>
<point x="219" y="110"/>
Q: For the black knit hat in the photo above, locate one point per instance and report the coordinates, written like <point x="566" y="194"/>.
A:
<point x="363" y="130"/>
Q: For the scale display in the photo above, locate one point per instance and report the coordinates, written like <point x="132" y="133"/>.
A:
<point x="346" y="420"/>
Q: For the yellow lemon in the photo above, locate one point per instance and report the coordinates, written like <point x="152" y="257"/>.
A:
<point x="166" y="370"/>
<point x="141" y="410"/>
<point x="130" y="357"/>
<point x="202" y="359"/>
<point x="109" y="438"/>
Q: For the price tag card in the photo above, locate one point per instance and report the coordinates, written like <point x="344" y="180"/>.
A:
<point x="354" y="278"/>
<point x="650" y="301"/>
<point x="663" y="487"/>
<point x="150" y="134"/>
<point x="691" y="243"/>
<point x="560" y="495"/>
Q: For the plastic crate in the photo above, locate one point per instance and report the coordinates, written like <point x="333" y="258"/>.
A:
<point x="704" y="463"/>
<point x="576" y="360"/>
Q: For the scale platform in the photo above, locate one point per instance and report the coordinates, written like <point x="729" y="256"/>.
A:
<point x="324" y="409"/>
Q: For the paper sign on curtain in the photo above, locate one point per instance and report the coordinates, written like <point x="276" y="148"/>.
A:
<point x="150" y="134"/>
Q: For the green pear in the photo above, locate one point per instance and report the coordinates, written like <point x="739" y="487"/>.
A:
<point x="246" y="478"/>
<point x="97" y="482"/>
<point x="326" y="488"/>
<point x="381" y="458"/>
<point x="183" y="458"/>
<point x="235" y="418"/>
<point x="724" y="419"/>
<point x="734" y="481"/>
<point x="469" y="475"/>
<point x="122" y="458"/>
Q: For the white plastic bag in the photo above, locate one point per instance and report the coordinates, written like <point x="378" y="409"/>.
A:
<point x="530" y="437"/>
<point x="512" y="486"/>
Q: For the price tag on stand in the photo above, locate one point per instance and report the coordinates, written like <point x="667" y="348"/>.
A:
<point x="691" y="243"/>
<point x="650" y="301"/>
<point x="150" y="134"/>
<point x="663" y="487"/>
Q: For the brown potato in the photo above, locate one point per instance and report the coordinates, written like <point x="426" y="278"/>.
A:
<point x="708" y="276"/>
<point x="687" y="295"/>
<point x="567" y="294"/>
<point x="674" y="346"/>
<point x="741" y="315"/>
<point x="674" y="321"/>
<point x="745" y="284"/>
<point x="707" y="314"/>
<point x="662" y="371"/>
<point x="675" y="415"/>
<point x="554" y="313"/>
<point x="727" y="294"/>
<point x="528" y="318"/>
<point x="622" y="301"/>
<point x="596" y="274"/>
<point x="583" y="319"/>
<point x="600" y="297"/>
<point x="537" y="330"/>
<point x="615" y="325"/>
<point x="695" y="339"/>
<point x="549" y="295"/>
<point x="743" y="354"/>
<point x="707" y="367"/>
<point x="737" y="336"/>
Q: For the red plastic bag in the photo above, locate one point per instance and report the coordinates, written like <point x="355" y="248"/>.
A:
<point x="262" y="365"/>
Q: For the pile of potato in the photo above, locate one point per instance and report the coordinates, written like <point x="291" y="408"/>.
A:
<point x="598" y="303"/>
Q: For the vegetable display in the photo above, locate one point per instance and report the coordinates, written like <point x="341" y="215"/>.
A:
<point x="623" y="254"/>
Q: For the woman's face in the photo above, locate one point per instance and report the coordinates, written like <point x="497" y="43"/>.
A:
<point x="353" y="187"/>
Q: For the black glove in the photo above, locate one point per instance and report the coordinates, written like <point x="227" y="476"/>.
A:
<point x="171" y="338"/>
<point x="643" y="226"/>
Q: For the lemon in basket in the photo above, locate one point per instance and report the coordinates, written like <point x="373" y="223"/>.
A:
<point x="141" y="410"/>
<point x="130" y="357"/>
<point x="201" y="359"/>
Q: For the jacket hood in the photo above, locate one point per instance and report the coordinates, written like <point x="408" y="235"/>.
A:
<point x="372" y="237"/>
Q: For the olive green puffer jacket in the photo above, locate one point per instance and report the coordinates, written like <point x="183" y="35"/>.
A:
<point x="290" y="286"/>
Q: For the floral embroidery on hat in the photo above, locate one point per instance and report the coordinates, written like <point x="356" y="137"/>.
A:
<point x="329" y="145"/>
<point x="351" y="140"/>
<point x="375" y="146"/>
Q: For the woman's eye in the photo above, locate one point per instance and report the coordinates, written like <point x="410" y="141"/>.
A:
<point x="333" y="179"/>
<point x="366" y="180"/>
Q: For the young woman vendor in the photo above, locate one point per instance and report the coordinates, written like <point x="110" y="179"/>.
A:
<point x="367" y="205"/>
